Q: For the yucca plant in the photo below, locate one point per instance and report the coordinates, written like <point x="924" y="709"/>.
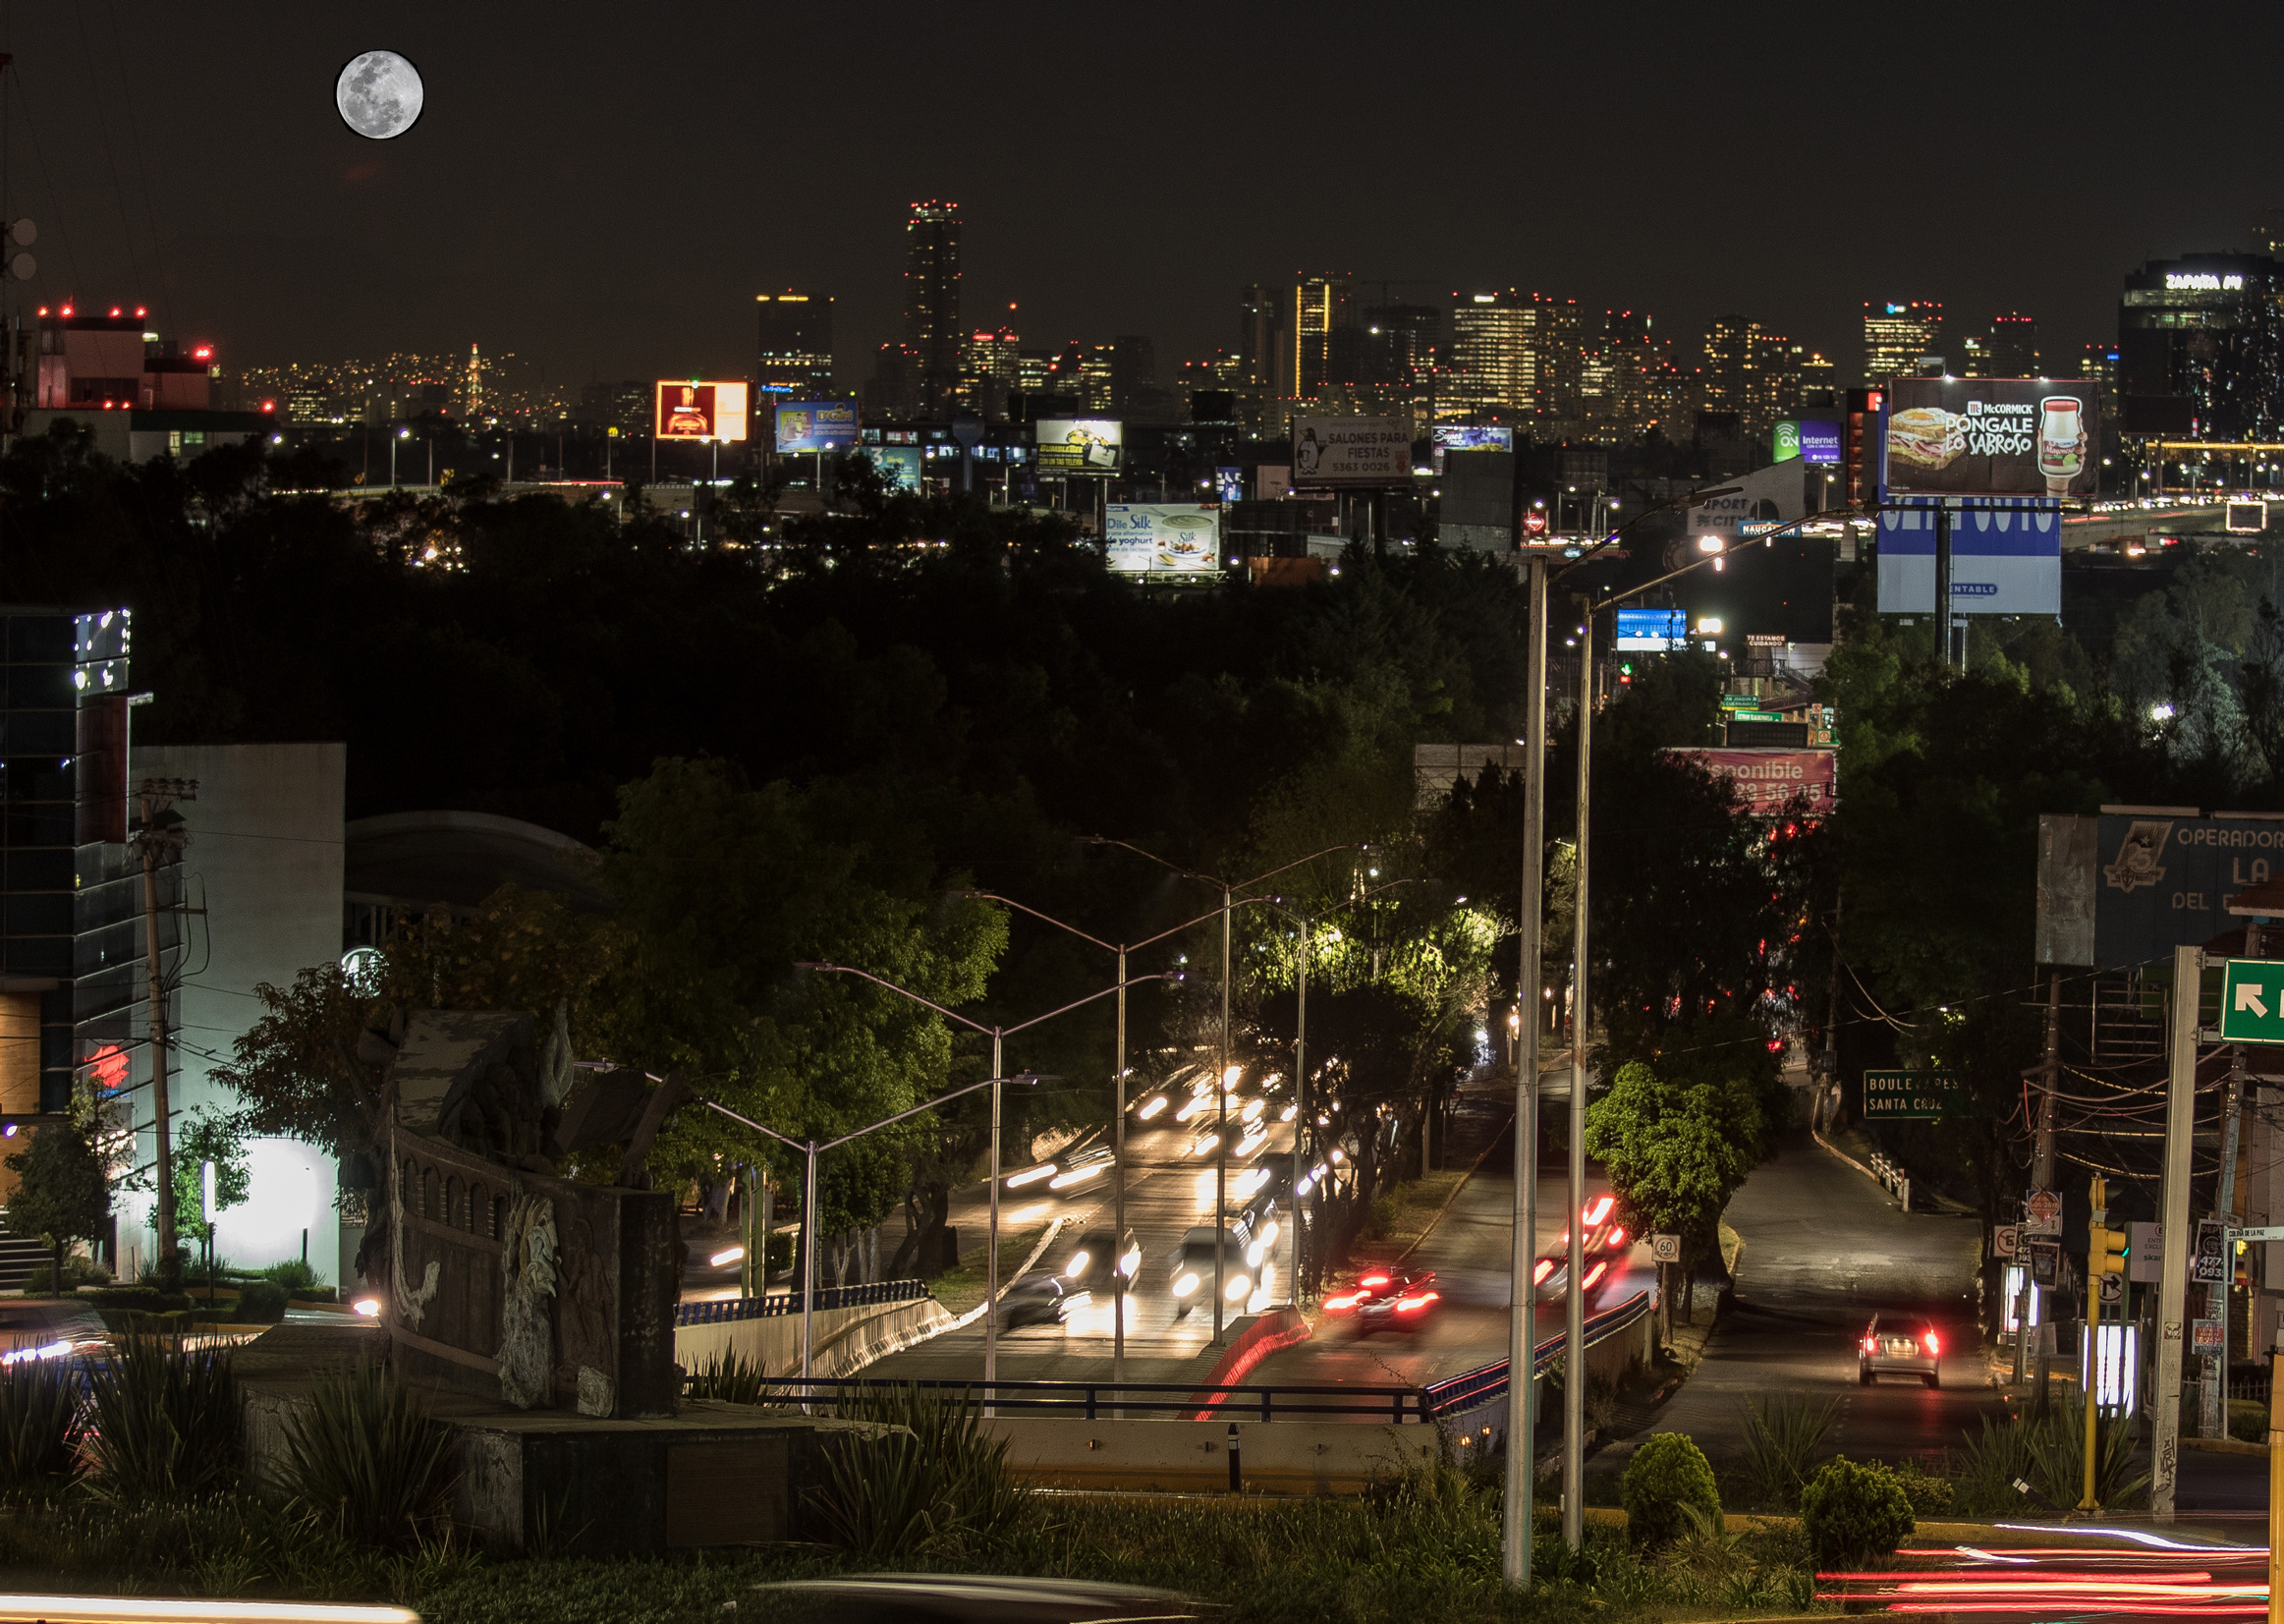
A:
<point x="366" y="1461"/>
<point x="165" y="1420"/>
<point x="735" y="1379"/>
<point x="936" y="1485"/>
<point x="1782" y="1434"/>
<point x="41" y="1401"/>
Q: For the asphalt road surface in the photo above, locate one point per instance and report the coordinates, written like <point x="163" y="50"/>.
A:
<point x="1825" y="1248"/>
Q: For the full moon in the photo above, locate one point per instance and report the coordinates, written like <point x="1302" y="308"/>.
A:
<point x="378" y="94"/>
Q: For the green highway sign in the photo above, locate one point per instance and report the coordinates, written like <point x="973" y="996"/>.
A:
<point x="2251" y="1002"/>
<point x="1756" y="716"/>
<point x="1912" y="1096"/>
<point x="1740" y="702"/>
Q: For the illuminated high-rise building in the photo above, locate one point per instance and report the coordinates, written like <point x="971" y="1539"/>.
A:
<point x="1494" y="352"/>
<point x="1322" y="334"/>
<point x="1733" y="359"/>
<point x="795" y="349"/>
<point x="1897" y="335"/>
<point x="2013" y="350"/>
<point x="990" y="369"/>
<point x="2201" y="347"/>
<point x="931" y="301"/>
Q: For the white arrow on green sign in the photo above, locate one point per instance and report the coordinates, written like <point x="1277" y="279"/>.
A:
<point x="2251" y="1002"/>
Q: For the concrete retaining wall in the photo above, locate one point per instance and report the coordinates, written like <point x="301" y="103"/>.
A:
<point x="846" y="1339"/>
<point x="1285" y="1457"/>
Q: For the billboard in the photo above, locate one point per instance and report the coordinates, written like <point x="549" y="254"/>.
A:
<point x="1351" y="451"/>
<point x="1993" y="437"/>
<point x="2162" y="879"/>
<point x="1810" y="439"/>
<point x="2003" y="562"/>
<point x="2246" y="518"/>
<point x="1468" y="436"/>
<point x="816" y="426"/>
<point x="695" y="410"/>
<point x="1654" y="631"/>
<point x="1161" y="537"/>
<point x="1080" y="445"/>
<point x="1754" y="503"/>
<point x="1767" y="779"/>
<point x="899" y="465"/>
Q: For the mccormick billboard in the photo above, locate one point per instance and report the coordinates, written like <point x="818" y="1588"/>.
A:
<point x="1993" y="437"/>
<point x="1080" y="445"/>
<point x="1767" y="779"/>
<point x="816" y="426"/>
<point x="700" y="412"/>
<point x="1161" y="537"/>
<point x="1351" y="451"/>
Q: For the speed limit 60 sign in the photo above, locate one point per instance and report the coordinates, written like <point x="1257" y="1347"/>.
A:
<point x="1665" y="1249"/>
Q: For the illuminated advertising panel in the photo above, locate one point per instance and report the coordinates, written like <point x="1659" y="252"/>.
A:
<point x="1468" y="436"/>
<point x="695" y="410"/>
<point x="2003" y="562"/>
<point x="1351" y="451"/>
<point x="1654" y="631"/>
<point x="1767" y="779"/>
<point x="816" y="426"/>
<point x="1080" y="445"/>
<point x="899" y="465"/>
<point x="1161" y="537"/>
<point x="1993" y="437"/>
<point x="1811" y="440"/>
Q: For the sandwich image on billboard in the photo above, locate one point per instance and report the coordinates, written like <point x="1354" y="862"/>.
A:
<point x="1992" y="437"/>
<point x="1351" y="451"/>
<point x="1161" y="537"/>
<point x="696" y="411"/>
<point x="1080" y="445"/>
<point x="816" y="426"/>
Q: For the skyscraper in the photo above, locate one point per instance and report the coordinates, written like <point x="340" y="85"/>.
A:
<point x="2014" y="346"/>
<point x="932" y="300"/>
<point x="796" y="345"/>
<point x="1731" y="372"/>
<point x="1324" y="334"/>
<point x="2201" y="347"/>
<point x="1494" y="355"/>
<point x="1897" y="335"/>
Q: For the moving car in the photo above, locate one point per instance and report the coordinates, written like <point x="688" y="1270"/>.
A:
<point x="1090" y="1256"/>
<point x="1387" y="1299"/>
<point x="1081" y="1166"/>
<point x="1897" y="1346"/>
<point x="1190" y="1276"/>
<point x="1605" y="1255"/>
<point x="1041" y="1300"/>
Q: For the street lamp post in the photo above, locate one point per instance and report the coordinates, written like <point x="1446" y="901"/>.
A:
<point x="1228" y="890"/>
<point x="998" y="1035"/>
<point x="1523" y="1301"/>
<point x="1118" y="1102"/>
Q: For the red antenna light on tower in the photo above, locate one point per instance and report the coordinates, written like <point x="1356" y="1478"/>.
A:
<point x="115" y="309"/>
<point x="141" y="311"/>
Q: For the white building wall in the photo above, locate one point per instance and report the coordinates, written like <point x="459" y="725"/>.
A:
<point x="264" y="861"/>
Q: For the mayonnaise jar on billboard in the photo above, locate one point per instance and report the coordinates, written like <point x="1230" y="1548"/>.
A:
<point x="1080" y="445"/>
<point x="696" y="411"/>
<point x="1993" y="437"/>
<point x="1351" y="451"/>
<point x="816" y="426"/>
<point x="1161" y="537"/>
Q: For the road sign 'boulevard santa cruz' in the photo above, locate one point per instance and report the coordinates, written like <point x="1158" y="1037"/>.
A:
<point x="2251" y="1002"/>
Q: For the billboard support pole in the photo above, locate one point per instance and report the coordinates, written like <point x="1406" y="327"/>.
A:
<point x="2173" y="1214"/>
<point x="1574" y="1356"/>
<point x="1943" y="581"/>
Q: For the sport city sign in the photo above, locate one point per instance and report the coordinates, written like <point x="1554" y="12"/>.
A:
<point x="2251" y="1002"/>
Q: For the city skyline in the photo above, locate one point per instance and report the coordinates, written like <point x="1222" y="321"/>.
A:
<point x="534" y="210"/>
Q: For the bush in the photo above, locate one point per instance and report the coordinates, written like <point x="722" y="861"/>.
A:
<point x="1854" y="1513"/>
<point x="40" y="1404"/>
<point x="935" y="1488"/>
<point x="78" y="1271"/>
<point x="261" y="1303"/>
<point x="367" y="1462"/>
<point x="166" y="1421"/>
<point x="734" y="1379"/>
<point x="2248" y="1421"/>
<point x="1928" y="1497"/>
<point x="293" y="1274"/>
<point x="1666" y="1474"/>
<point x="1782" y="1435"/>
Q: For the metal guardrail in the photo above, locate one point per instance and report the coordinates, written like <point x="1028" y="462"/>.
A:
<point x="1089" y="1400"/>
<point x="1893" y="1176"/>
<point x="1473" y="1388"/>
<point x="729" y="1310"/>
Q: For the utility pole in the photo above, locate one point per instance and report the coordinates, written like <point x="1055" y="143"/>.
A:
<point x="2173" y="1214"/>
<point x="1221" y="1145"/>
<point x="1573" y="1342"/>
<point x="2212" y="1389"/>
<point x="159" y="838"/>
<point x="2041" y="1168"/>
<point x="1522" y="1301"/>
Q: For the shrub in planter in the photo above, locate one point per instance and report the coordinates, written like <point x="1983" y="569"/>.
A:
<point x="261" y="1303"/>
<point x="366" y="1459"/>
<point x="1667" y="1473"/>
<point x="166" y="1421"/>
<point x="40" y="1425"/>
<point x="1853" y="1512"/>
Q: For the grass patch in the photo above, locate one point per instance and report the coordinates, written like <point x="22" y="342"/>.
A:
<point x="1403" y="1215"/>
<point x="961" y="1289"/>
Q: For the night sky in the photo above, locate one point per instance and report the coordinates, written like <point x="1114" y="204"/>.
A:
<point x="604" y="189"/>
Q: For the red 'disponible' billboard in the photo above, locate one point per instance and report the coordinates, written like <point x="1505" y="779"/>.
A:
<point x="1767" y="779"/>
